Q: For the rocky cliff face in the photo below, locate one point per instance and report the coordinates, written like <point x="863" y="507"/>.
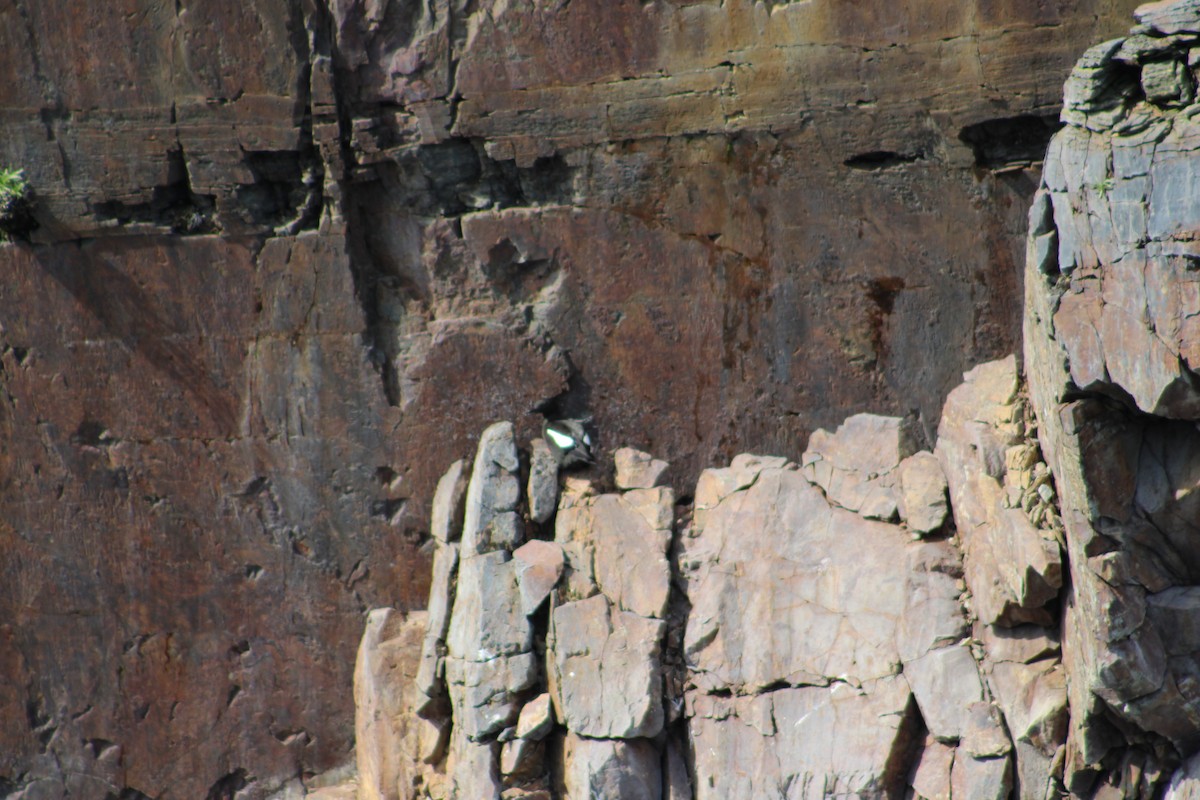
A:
<point x="828" y="627"/>
<point x="812" y="629"/>
<point x="1111" y="348"/>
<point x="293" y="255"/>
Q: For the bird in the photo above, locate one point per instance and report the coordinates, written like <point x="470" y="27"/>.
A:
<point x="569" y="441"/>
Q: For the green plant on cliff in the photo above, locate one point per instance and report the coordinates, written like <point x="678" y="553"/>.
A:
<point x="12" y="182"/>
<point x="16" y="205"/>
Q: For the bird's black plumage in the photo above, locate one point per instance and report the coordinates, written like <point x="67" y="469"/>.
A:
<point x="570" y="442"/>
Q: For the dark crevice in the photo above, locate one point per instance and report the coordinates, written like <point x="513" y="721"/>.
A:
<point x="127" y="793"/>
<point x="1010" y="141"/>
<point x="460" y="177"/>
<point x="287" y="190"/>
<point x="1111" y="396"/>
<point x="91" y="434"/>
<point x="883" y="159"/>
<point x="388" y="510"/>
<point x="903" y="761"/>
<point x="519" y="277"/>
<point x="228" y="786"/>
<point x="173" y="205"/>
<point x="276" y="175"/>
<point x="288" y="736"/>
<point x="39" y="721"/>
<point x="573" y="403"/>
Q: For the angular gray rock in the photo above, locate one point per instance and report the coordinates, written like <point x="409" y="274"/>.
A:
<point x="537" y="718"/>
<point x="945" y="683"/>
<point x="476" y="769"/>
<point x="539" y="566"/>
<point x="835" y="742"/>
<point x="714" y="485"/>
<point x="983" y="778"/>
<point x="922" y="488"/>
<point x="637" y="470"/>
<point x="489" y="660"/>
<point x="543" y="481"/>
<point x="786" y="588"/>
<point x="488" y="620"/>
<point x="607" y="673"/>
<point x="856" y="465"/>
<point x="1013" y="568"/>
<point x="485" y="694"/>
<point x="789" y="590"/>
<point x="610" y="769"/>
<point x="441" y="595"/>
<point x="446" y="515"/>
<point x="819" y="645"/>
<point x="933" y="616"/>
<point x="1096" y="93"/>
<point x="491" y="521"/>
<point x="1170" y="16"/>
<point x="930" y="778"/>
<point x="619" y="543"/>
<point x="521" y="758"/>
<point x="1111" y="342"/>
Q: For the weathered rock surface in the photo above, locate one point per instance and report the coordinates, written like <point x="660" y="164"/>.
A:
<point x="1014" y="567"/>
<point x="788" y="589"/>
<point x="539" y="566"/>
<point x="446" y="514"/>
<point x="199" y="502"/>
<point x="856" y="465"/>
<point x="619" y="544"/>
<point x="414" y="219"/>
<point x="490" y="520"/>
<point x="637" y="470"/>
<point x="430" y="678"/>
<point x="391" y="741"/>
<point x="489" y="646"/>
<point x="922" y="500"/>
<point x="780" y="590"/>
<point x="611" y="769"/>
<point x="536" y="719"/>
<point x="1110" y="348"/>
<point x="841" y="740"/>
<point x="543" y="481"/>
<point x="822" y="654"/>
<point x="607" y="675"/>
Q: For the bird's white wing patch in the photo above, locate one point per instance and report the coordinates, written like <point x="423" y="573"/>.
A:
<point x="560" y="440"/>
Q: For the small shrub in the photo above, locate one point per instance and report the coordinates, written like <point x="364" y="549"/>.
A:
<point x="16" y="205"/>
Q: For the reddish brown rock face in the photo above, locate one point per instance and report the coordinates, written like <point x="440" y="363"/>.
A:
<point x="293" y="256"/>
<point x="195" y="521"/>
